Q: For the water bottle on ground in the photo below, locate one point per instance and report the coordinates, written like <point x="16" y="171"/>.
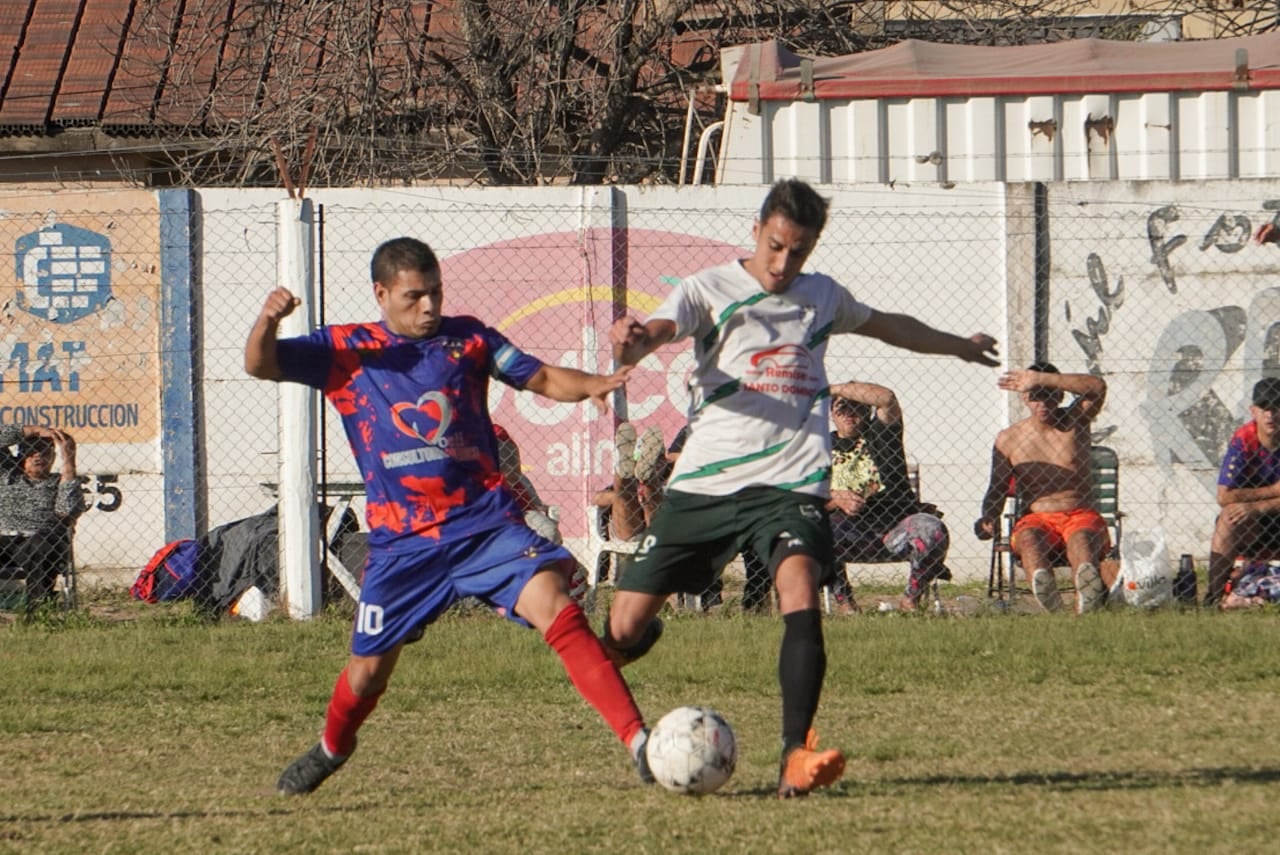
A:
<point x="1184" y="581"/>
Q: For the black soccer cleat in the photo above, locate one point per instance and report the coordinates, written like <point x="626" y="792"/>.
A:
<point x="309" y="771"/>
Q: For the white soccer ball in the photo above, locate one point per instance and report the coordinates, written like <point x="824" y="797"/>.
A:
<point x="692" y="750"/>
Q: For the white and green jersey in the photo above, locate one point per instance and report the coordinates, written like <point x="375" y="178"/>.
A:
<point x="760" y="400"/>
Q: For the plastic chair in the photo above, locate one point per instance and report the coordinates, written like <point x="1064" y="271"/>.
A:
<point x="601" y="548"/>
<point x="68" y="593"/>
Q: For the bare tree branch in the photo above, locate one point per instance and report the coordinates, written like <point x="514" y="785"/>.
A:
<point x="517" y="91"/>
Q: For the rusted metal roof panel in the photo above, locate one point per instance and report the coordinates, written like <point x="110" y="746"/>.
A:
<point x="13" y="21"/>
<point x="92" y="62"/>
<point x="193" y="65"/>
<point x="133" y="92"/>
<point x="238" y="92"/>
<point x="28" y="98"/>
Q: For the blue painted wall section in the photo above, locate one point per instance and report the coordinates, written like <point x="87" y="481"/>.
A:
<point x="185" y="513"/>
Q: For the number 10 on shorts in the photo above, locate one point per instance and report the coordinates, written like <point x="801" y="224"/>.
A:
<point x="369" y="619"/>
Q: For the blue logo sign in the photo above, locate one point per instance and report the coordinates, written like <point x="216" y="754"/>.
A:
<point x="64" y="273"/>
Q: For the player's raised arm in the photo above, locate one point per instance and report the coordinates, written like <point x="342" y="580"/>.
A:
<point x="572" y="385"/>
<point x="882" y="398"/>
<point x="260" y="349"/>
<point x="912" y="334"/>
<point x="632" y="341"/>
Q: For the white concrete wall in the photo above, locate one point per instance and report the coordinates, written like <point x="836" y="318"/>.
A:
<point x="540" y="264"/>
<point x="1180" y="313"/>
<point x="1153" y="135"/>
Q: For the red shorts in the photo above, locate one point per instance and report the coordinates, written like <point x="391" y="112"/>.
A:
<point x="1058" y="526"/>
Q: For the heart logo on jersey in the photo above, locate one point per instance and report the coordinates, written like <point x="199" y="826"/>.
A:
<point x="428" y="419"/>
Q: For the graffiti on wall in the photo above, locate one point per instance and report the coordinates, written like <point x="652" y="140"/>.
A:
<point x="1189" y="355"/>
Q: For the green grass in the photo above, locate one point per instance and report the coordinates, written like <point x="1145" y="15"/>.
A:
<point x="995" y="733"/>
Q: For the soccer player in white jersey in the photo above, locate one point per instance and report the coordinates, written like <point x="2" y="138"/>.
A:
<point x="755" y="468"/>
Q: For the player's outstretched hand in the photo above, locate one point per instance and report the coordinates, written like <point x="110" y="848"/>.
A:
<point x="601" y="386"/>
<point x="626" y="332"/>
<point x="980" y="348"/>
<point x="279" y="304"/>
<point x="1267" y="233"/>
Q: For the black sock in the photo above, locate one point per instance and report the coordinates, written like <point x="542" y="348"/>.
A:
<point x="802" y="663"/>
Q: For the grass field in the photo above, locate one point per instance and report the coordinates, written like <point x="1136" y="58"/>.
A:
<point x="1121" y="732"/>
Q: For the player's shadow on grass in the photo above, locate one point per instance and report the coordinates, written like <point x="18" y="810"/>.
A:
<point x="1097" y="781"/>
<point x="1128" y="780"/>
<point x="287" y="807"/>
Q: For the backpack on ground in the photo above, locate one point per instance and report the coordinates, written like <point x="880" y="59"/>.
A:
<point x="171" y="574"/>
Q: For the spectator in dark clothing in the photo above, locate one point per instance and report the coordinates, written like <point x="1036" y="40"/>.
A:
<point x="37" y="506"/>
<point x="875" y="513"/>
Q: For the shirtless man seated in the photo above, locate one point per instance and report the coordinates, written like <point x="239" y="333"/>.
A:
<point x="1047" y="456"/>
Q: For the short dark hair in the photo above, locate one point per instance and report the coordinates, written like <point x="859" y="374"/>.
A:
<point x="403" y="253"/>
<point x="1043" y="368"/>
<point x="798" y="202"/>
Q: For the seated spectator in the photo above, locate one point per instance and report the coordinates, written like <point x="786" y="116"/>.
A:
<point x="537" y="513"/>
<point x="1257" y="583"/>
<point x="875" y="514"/>
<point x="641" y="468"/>
<point x="1248" y="523"/>
<point x="37" y="507"/>
<point x="1047" y="455"/>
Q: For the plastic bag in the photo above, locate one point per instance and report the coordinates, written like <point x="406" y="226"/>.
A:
<point x="1146" y="573"/>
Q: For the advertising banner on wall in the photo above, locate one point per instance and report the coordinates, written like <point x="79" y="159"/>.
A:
<point x="568" y="449"/>
<point x="81" y="298"/>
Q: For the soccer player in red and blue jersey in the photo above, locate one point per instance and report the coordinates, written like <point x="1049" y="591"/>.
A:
<point x="412" y="392"/>
<point x="1248" y="491"/>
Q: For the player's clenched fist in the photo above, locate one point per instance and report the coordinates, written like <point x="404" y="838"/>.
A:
<point x="260" y="349"/>
<point x="279" y="304"/>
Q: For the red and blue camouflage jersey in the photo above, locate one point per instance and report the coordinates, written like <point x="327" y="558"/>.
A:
<point x="1248" y="463"/>
<point x="416" y="414"/>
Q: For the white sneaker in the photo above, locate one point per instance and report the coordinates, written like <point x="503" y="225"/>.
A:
<point x="1045" y="586"/>
<point x="1091" y="593"/>
<point x="624" y="446"/>
<point x="649" y="451"/>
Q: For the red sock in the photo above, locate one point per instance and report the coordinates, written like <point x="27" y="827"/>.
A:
<point x="595" y="677"/>
<point x="347" y="711"/>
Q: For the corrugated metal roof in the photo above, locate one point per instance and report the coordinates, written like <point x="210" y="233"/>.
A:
<point x="913" y="68"/>
<point x="59" y="60"/>
<point x="130" y="66"/>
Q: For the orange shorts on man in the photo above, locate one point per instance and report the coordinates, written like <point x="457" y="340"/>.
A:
<point x="1059" y="526"/>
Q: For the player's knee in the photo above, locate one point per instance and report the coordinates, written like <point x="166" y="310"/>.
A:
<point x="622" y="629"/>
<point x="928" y="534"/>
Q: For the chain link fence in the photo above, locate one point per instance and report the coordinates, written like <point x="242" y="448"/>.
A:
<point x="1153" y="287"/>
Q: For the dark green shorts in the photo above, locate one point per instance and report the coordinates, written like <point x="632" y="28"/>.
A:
<point x="691" y="537"/>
